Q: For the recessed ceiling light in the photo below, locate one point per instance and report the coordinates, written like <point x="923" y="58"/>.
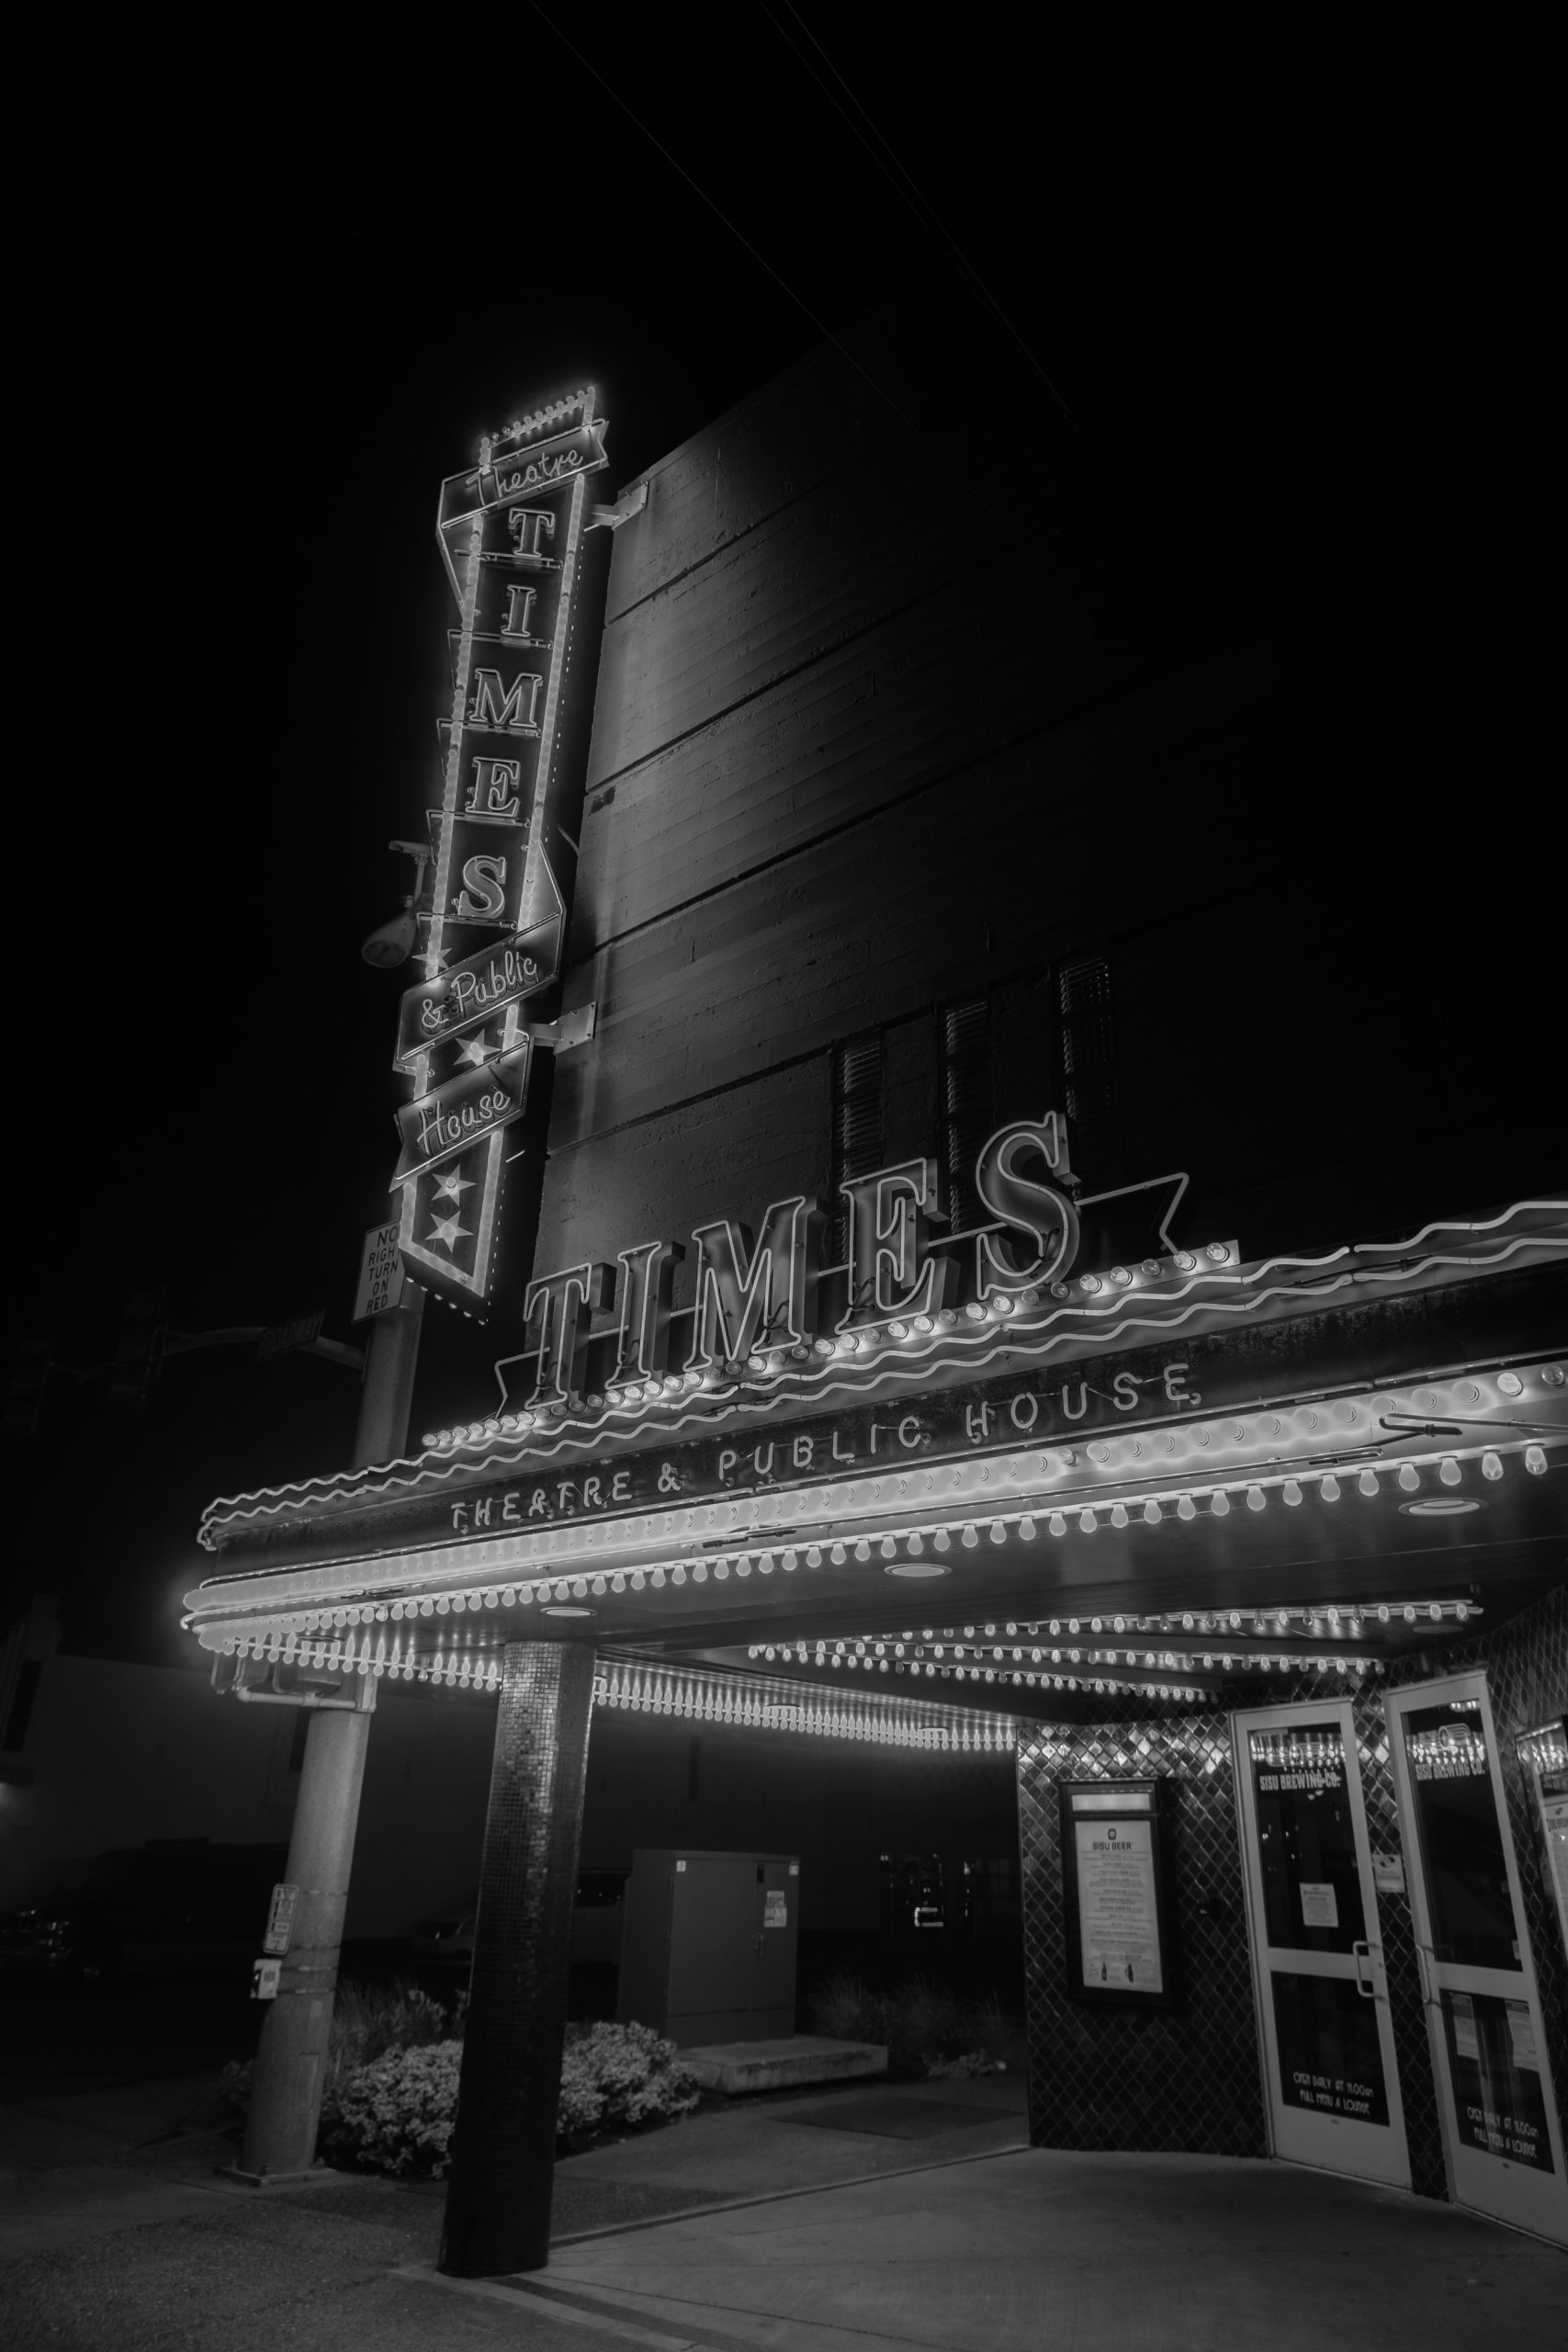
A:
<point x="565" y="1609"/>
<point x="1441" y="1506"/>
<point x="916" y="1568"/>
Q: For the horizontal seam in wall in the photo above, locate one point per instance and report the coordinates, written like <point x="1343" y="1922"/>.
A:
<point x="1245" y="886"/>
<point x="799" y="498"/>
<point x="618" y="776"/>
<point x="1074" y="716"/>
<point x="1081" y="494"/>
<point x="728" y="1086"/>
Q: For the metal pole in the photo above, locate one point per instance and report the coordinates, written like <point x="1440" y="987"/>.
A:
<point x="498" y="2200"/>
<point x="291" y="2061"/>
<point x="390" y="1359"/>
<point x="292" y="2058"/>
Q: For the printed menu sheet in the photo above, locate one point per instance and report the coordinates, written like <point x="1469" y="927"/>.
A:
<point x="1118" y="1923"/>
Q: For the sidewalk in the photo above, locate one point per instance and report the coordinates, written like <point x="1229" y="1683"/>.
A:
<point x="867" y="2217"/>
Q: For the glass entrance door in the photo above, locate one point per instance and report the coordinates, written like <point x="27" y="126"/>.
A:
<point x="1322" y="1996"/>
<point x="1500" y="2125"/>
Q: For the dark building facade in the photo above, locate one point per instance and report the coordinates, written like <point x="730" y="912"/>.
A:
<point x="1059" y="1252"/>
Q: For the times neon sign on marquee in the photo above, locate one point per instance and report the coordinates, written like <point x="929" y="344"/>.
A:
<point x="512" y="532"/>
<point x="764" y="1300"/>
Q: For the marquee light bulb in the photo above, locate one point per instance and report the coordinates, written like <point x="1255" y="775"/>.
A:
<point x="1368" y="1482"/>
<point x="1491" y="1466"/>
<point x="1026" y="1529"/>
<point x="1220" y="1505"/>
<point x="1186" y="1508"/>
<point x="1409" y="1477"/>
<point x="1450" y="1473"/>
<point x="1330" y="1487"/>
<point x="1152" y="1513"/>
<point x="1534" y="1461"/>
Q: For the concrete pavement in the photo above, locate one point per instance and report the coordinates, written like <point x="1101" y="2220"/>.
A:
<point x="866" y="2217"/>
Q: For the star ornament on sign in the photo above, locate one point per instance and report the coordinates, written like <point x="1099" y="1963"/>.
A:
<point x="446" y="1231"/>
<point x="473" y="1050"/>
<point x="451" y="1186"/>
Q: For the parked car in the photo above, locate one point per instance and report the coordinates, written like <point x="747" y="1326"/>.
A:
<point x="174" y="1903"/>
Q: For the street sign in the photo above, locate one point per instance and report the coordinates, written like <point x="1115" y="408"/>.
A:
<point x="280" y="1919"/>
<point x="266" y="1977"/>
<point x="282" y="1339"/>
<point x="381" y="1273"/>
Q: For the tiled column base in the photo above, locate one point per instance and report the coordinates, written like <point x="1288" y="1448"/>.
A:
<point x="498" y="2203"/>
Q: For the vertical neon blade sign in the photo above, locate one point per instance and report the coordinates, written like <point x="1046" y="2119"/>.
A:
<point x="511" y="533"/>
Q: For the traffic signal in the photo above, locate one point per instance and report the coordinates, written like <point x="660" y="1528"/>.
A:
<point x="141" y="1349"/>
<point x="29" y="1378"/>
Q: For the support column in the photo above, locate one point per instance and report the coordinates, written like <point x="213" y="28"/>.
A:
<point x="290" y="2069"/>
<point x="391" y="1356"/>
<point x="498" y="2200"/>
<point x="292" y="2057"/>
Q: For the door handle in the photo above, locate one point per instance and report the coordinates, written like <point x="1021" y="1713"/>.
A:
<point x="1362" y="1949"/>
<point x="1423" y="1968"/>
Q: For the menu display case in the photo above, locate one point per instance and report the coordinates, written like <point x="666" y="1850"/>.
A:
<point x="1121" y="1948"/>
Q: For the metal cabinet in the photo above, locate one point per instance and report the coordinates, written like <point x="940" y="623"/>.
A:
<point x="709" y="1946"/>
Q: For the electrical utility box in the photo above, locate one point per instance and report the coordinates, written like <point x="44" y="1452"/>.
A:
<point x="708" y="1950"/>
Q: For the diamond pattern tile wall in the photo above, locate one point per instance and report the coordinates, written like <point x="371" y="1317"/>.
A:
<point x="1186" y="2079"/>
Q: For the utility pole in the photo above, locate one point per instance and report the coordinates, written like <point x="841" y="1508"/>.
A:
<point x="291" y="2059"/>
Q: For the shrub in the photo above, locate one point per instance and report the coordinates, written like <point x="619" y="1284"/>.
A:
<point x="925" y="2029"/>
<point x="619" y="2075"/>
<point x="395" y="2113"/>
<point x="369" y="2021"/>
<point x="847" y="2010"/>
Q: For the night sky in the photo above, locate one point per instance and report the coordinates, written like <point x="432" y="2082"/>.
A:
<point x="271" y="299"/>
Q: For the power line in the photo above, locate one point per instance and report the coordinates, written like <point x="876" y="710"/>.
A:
<point x="882" y="155"/>
<point x="741" y="238"/>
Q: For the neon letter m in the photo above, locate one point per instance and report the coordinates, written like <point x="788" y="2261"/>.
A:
<point x="511" y="710"/>
<point x="747" y="1298"/>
